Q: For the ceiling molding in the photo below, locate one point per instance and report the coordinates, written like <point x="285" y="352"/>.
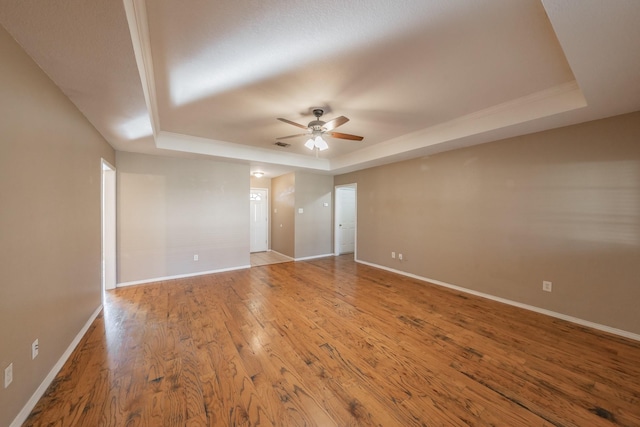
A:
<point x="229" y="150"/>
<point x="136" y="12"/>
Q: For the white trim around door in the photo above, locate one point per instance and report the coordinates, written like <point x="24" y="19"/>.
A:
<point x="346" y="219"/>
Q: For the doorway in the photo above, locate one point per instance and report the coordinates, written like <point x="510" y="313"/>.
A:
<point x="108" y="187"/>
<point x="259" y="225"/>
<point x="345" y="219"/>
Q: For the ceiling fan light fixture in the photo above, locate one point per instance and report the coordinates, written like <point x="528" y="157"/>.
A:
<point x="310" y="144"/>
<point x="321" y="143"/>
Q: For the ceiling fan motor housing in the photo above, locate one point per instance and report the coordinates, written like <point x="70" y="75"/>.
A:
<point x="316" y="125"/>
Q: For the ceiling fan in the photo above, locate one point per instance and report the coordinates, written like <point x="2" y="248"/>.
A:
<point x="316" y="128"/>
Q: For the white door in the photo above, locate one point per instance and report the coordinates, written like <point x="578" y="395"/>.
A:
<point x="345" y="219"/>
<point x="259" y="220"/>
<point x="108" y="226"/>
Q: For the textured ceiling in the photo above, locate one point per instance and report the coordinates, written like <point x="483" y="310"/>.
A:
<point x="210" y="79"/>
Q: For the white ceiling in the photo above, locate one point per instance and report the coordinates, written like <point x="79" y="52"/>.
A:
<point x="206" y="78"/>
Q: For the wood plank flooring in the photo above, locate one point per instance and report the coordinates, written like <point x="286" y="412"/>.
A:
<point x="333" y="343"/>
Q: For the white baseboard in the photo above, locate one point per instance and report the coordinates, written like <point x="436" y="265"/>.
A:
<point x="31" y="403"/>
<point x="313" y="257"/>
<point x="582" y="322"/>
<point x="180" y="276"/>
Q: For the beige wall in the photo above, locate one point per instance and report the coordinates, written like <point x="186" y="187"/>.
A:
<point x="313" y="229"/>
<point x="499" y="218"/>
<point x="306" y="234"/>
<point x="170" y="209"/>
<point x="283" y="197"/>
<point x="49" y="223"/>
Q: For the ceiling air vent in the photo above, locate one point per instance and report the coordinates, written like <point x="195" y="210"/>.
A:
<point x="282" y="144"/>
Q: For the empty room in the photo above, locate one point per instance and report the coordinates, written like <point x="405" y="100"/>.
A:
<point x="297" y="213"/>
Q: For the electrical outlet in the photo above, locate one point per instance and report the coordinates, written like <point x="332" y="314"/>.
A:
<point x="8" y="375"/>
<point x="546" y="286"/>
<point x="35" y="347"/>
<point x="195" y="257"/>
<point x="393" y="255"/>
<point x="400" y="257"/>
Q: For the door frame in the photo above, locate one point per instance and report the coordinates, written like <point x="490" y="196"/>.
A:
<point x="268" y="211"/>
<point x="108" y="259"/>
<point x="336" y="226"/>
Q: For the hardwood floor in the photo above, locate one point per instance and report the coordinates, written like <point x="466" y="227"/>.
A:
<point x="333" y="343"/>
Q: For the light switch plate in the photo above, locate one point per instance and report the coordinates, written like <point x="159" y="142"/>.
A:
<point x="8" y="375"/>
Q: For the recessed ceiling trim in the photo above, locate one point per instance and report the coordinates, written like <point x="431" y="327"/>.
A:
<point x="136" y="12"/>
<point x="549" y="102"/>
<point x="585" y="40"/>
